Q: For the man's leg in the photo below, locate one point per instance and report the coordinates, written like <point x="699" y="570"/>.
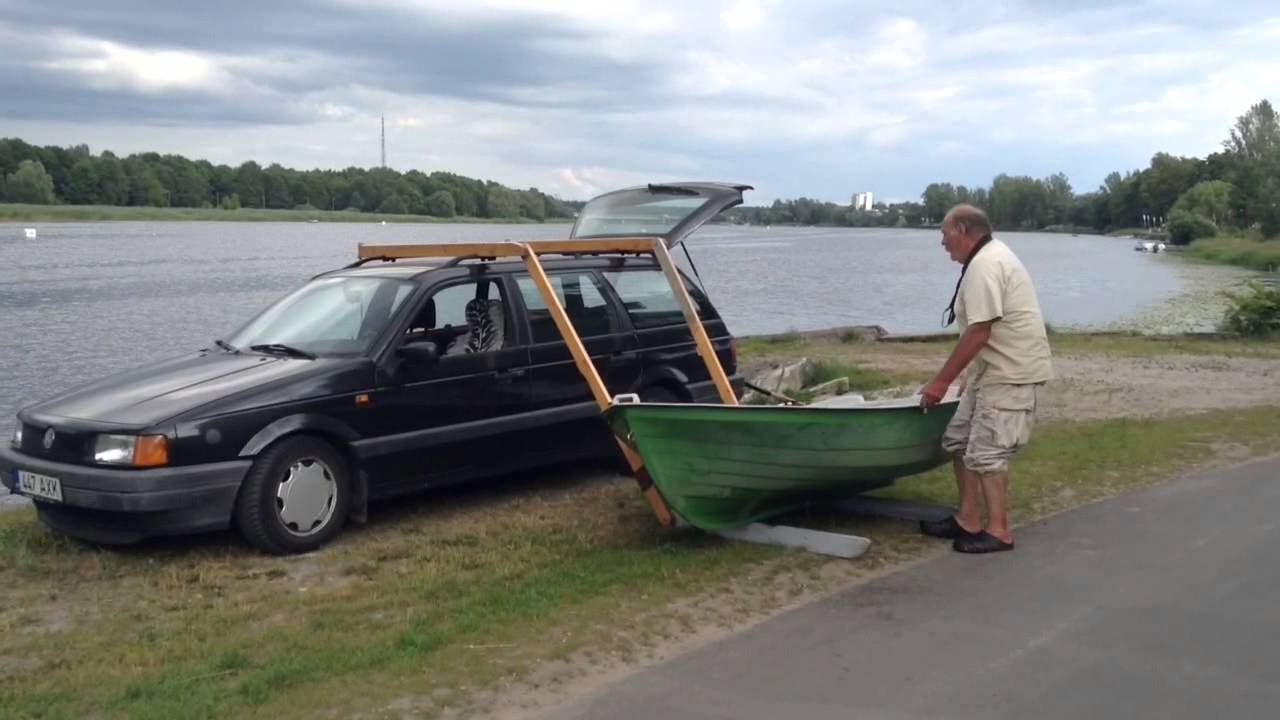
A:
<point x="1003" y="419"/>
<point x="995" y="489"/>
<point x="969" y="516"/>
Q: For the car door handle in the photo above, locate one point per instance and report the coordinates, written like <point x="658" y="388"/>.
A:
<point x="510" y="375"/>
<point x="621" y="357"/>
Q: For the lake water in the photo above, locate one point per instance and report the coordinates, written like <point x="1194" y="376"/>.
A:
<point x="86" y="299"/>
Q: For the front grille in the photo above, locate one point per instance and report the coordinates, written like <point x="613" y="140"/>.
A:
<point x="68" y="447"/>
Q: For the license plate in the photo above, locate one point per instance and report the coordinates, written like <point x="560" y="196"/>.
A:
<point x="41" y="486"/>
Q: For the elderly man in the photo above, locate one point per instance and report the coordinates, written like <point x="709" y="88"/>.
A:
<point x="1004" y="347"/>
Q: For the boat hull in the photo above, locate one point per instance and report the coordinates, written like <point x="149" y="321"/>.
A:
<point x="722" y="466"/>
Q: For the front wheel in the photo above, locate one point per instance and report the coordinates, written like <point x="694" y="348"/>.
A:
<point x="295" y="497"/>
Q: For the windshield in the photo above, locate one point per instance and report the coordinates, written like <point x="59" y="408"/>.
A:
<point x="636" y="213"/>
<point x="328" y="316"/>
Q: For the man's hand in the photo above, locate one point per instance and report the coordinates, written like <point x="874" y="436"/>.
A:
<point x="933" y="393"/>
<point x="972" y="340"/>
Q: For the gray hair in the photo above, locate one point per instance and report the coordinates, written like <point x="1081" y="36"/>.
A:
<point x="969" y="219"/>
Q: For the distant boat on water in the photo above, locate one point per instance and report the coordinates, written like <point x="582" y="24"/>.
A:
<point x="30" y="233"/>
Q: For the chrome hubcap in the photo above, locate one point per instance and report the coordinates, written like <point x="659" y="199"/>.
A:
<point x="306" y="497"/>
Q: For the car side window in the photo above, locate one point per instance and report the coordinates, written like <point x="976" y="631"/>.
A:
<point x="583" y="302"/>
<point x="647" y="297"/>
<point x="451" y="304"/>
<point x="462" y="319"/>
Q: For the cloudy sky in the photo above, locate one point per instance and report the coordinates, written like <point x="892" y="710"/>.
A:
<point x="801" y="98"/>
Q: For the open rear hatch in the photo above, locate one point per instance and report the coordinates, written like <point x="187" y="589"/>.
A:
<point x="669" y="211"/>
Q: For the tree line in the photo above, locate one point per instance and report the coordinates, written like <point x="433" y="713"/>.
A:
<point x="55" y="175"/>
<point x="1235" y="188"/>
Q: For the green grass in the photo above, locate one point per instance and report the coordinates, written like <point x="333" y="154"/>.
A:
<point x="1070" y="463"/>
<point x="1247" y="252"/>
<point x="441" y="596"/>
<point x="863" y="377"/>
<point x="767" y="344"/>
<point x="1133" y="344"/>
<point x="11" y="212"/>
<point x="1107" y="343"/>
<point x="434" y="599"/>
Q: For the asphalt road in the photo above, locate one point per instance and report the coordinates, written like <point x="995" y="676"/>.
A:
<point x="1161" y="604"/>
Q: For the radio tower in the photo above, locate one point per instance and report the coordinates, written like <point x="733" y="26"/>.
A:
<point x="383" y="122"/>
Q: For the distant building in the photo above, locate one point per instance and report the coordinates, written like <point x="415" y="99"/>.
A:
<point x="863" y="201"/>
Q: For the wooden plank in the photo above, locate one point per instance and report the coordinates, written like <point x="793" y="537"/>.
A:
<point x="705" y="348"/>
<point x="441" y="250"/>
<point x="630" y="245"/>
<point x="598" y="389"/>
<point x="891" y="508"/>
<point x="506" y="249"/>
<point x="817" y="541"/>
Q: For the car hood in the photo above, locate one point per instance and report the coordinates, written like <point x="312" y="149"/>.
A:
<point x="155" y="393"/>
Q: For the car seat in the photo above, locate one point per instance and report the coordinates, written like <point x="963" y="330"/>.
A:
<point x="426" y="319"/>
<point x="485" y="328"/>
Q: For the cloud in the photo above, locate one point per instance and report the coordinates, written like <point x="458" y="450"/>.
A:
<point x="815" y="99"/>
<point x="743" y="15"/>
<point x="105" y="64"/>
<point x="899" y="44"/>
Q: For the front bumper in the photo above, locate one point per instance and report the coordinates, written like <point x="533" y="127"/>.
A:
<point x="124" y="506"/>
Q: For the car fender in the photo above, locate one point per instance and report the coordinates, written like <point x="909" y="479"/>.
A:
<point x="329" y="428"/>
<point x="663" y="375"/>
<point x="291" y="424"/>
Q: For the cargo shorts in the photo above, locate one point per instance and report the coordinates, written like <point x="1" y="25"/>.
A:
<point x="992" y="423"/>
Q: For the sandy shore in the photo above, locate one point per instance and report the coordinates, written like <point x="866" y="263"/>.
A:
<point x="1092" y="383"/>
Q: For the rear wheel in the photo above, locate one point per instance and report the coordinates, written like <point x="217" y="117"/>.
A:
<point x="660" y="394"/>
<point x="295" y="497"/>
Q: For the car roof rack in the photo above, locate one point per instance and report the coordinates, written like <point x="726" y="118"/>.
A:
<point x="363" y="260"/>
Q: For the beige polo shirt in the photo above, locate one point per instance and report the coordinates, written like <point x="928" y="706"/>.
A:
<point x="997" y="287"/>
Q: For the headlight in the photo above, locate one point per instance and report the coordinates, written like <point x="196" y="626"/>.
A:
<point x="135" y="450"/>
<point x="17" y="435"/>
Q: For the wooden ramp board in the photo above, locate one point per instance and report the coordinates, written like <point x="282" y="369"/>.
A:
<point x="895" y="509"/>
<point x="817" y="541"/>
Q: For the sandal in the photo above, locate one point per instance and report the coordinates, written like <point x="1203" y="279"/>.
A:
<point x="946" y="528"/>
<point x="981" y="542"/>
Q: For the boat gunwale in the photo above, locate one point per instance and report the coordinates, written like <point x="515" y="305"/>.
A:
<point x="738" y="409"/>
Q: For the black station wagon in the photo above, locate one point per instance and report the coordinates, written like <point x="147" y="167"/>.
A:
<point x="377" y="379"/>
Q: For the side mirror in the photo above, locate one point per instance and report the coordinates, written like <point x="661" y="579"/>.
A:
<point x="423" y="352"/>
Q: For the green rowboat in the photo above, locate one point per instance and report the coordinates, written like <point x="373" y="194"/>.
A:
<point x="722" y="466"/>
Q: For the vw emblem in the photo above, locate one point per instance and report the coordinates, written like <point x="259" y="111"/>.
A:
<point x="49" y="437"/>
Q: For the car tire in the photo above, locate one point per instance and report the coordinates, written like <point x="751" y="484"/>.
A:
<point x="295" y="496"/>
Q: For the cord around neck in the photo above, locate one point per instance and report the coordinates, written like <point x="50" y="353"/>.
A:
<point x="951" y="309"/>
